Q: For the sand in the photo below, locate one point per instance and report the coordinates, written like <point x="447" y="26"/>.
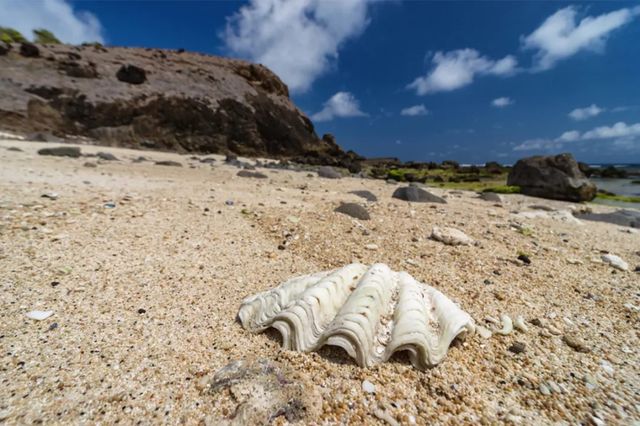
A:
<point x="145" y="295"/>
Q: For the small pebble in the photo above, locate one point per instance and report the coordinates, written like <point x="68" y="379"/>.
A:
<point x="368" y="387"/>
<point x="110" y="205"/>
<point x="142" y="311"/>
<point x="544" y="390"/>
<point x="517" y="347"/>
<point x="575" y="343"/>
<point x="229" y="202"/>
<point x="525" y="259"/>
<point x="50" y="195"/>
<point x="371" y="247"/>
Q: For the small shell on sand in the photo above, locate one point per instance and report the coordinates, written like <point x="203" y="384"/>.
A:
<point x="369" y="311"/>
<point x="520" y="324"/>
<point x="39" y="315"/>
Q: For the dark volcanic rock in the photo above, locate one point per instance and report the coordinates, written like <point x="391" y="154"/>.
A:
<point x="625" y="217"/>
<point x="328" y="172"/>
<point x="29" y="50"/>
<point x="131" y="74"/>
<point x="555" y="177"/>
<point x="250" y="174"/>
<point x="491" y="196"/>
<point x="416" y="195"/>
<point x="193" y="104"/>
<point x="168" y="163"/>
<point x="4" y="48"/>
<point x="61" y="151"/>
<point x="353" y="210"/>
<point x="367" y="195"/>
<point x="106" y="156"/>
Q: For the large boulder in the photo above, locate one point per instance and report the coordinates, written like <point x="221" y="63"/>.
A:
<point x="131" y="74"/>
<point x="556" y="177"/>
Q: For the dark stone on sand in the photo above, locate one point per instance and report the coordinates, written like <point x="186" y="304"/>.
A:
<point x="353" y="210"/>
<point x="367" y="195"/>
<point x="208" y="160"/>
<point x="491" y="197"/>
<point x="131" y="74"/>
<point x="107" y="156"/>
<point x="556" y="177"/>
<point x="517" y="348"/>
<point x="416" y="195"/>
<point x="624" y="217"/>
<point x="168" y="163"/>
<point x="251" y="174"/>
<point x="328" y="172"/>
<point x="14" y="148"/>
<point x="61" y="151"/>
<point x="524" y="258"/>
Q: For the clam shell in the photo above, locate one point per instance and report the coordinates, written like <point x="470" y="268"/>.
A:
<point x="370" y="312"/>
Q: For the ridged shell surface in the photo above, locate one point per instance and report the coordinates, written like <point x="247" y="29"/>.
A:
<point x="370" y="312"/>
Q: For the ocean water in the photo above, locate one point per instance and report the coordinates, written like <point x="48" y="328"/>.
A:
<point x="620" y="187"/>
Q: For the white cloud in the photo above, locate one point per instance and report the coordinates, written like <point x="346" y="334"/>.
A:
<point x="559" y="37"/>
<point x="342" y="104"/>
<point x="622" y="134"/>
<point x="618" y="130"/>
<point x="299" y="40"/>
<point x="415" y="110"/>
<point x="58" y="16"/>
<point x="580" y="114"/>
<point x="458" y="68"/>
<point x="502" y="102"/>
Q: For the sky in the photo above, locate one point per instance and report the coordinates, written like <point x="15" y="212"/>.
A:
<point x="419" y="80"/>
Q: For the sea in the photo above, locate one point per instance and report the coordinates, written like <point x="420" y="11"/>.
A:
<point x="619" y="186"/>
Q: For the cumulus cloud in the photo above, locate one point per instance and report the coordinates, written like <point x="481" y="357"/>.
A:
<point x="415" y="110"/>
<point x="622" y="134"/>
<point x="458" y="68"/>
<point x="502" y="102"/>
<point x="560" y="36"/>
<point x="580" y="114"/>
<point x="299" y="40"/>
<point x="58" y="16"/>
<point x="342" y="104"/>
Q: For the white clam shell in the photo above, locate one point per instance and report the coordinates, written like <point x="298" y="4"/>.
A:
<point x="370" y="312"/>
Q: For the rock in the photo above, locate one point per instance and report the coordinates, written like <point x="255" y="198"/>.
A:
<point x="197" y="104"/>
<point x="208" y="160"/>
<point x="524" y="258"/>
<point x="372" y="247"/>
<point x="367" y="195"/>
<point x="416" y="195"/>
<point x="555" y="177"/>
<point x="328" y="172"/>
<point x="544" y="390"/>
<point x="353" y="210"/>
<point x="4" y="48"/>
<point x="29" y="50"/>
<point x="368" y="387"/>
<point x="451" y="236"/>
<point x="79" y="70"/>
<point x="14" y="149"/>
<point x="50" y="195"/>
<point x="106" y="156"/>
<point x="170" y="163"/>
<point x="131" y="74"/>
<point x="517" y="348"/>
<point x="61" y="151"/>
<point x="264" y="390"/>
<point x="491" y="197"/>
<point x="90" y="164"/>
<point x="250" y="174"/>
<point x="575" y="343"/>
<point x="39" y="315"/>
<point x="615" y="261"/>
<point x="623" y="217"/>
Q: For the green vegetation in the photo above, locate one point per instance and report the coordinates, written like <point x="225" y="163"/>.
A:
<point x="503" y="189"/>
<point x="9" y="35"/>
<point x="527" y="232"/>
<point x="42" y="36"/>
<point x="614" y="197"/>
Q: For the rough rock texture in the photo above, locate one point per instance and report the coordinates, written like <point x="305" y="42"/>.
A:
<point x="158" y="99"/>
<point x="417" y="195"/>
<point x="61" y="151"/>
<point x="556" y="177"/>
<point x="623" y="217"/>
<point x="264" y="390"/>
<point x="353" y="210"/>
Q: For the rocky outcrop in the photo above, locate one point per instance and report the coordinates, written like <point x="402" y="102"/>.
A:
<point x="555" y="177"/>
<point x="159" y="99"/>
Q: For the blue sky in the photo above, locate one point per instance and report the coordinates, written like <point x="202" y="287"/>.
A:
<point x="420" y="80"/>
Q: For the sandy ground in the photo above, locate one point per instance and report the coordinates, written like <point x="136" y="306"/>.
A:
<point x="145" y="295"/>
